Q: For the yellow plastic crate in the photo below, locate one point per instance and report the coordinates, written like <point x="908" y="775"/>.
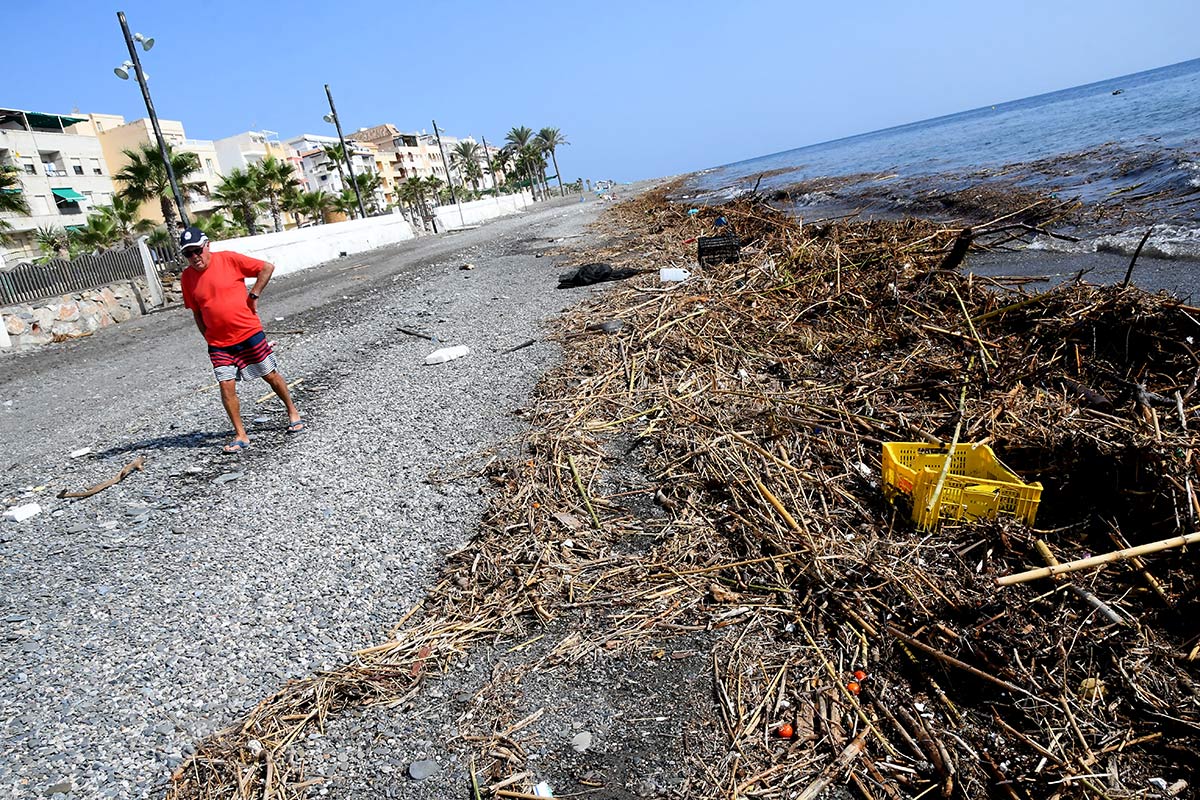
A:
<point x="977" y="486"/>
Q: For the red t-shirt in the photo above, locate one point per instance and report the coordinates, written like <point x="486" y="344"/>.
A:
<point x="219" y="292"/>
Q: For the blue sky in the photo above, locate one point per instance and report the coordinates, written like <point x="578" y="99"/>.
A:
<point x="641" y="89"/>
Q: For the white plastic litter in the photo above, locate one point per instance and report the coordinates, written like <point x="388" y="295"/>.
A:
<point x="22" y="513"/>
<point x="543" y="790"/>
<point x="447" y="354"/>
<point x="672" y="274"/>
<point x="83" y="451"/>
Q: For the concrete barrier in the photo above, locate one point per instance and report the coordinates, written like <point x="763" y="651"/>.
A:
<point x="294" y="250"/>
<point x="477" y="211"/>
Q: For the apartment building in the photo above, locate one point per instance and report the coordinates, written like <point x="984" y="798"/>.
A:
<point x="321" y="174"/>
<point x="196" y="188"/>
<point x="62" y="171"/>
<point x="401" y="156"/>
<point x="246" y="149"/>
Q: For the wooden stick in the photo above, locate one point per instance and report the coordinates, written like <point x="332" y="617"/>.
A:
<point x="137" y="464"/>
<point x="847" y="757"/>
<point x="1091" y="599"/>
<point x="941" y="481"/>
<point x="271" y="393"/>
<point x="954" y="662"/>
<point x="1132" y="261"/>
<point x="1095" y="561"/>
<point x="583" y="492"/>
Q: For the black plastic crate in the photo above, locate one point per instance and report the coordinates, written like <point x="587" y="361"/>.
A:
<point x="718" y="250"/>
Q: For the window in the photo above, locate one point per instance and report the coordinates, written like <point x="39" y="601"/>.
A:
<point x="208" y="165"/>
<point x="30" y="169"/>
<point x="96" y="168"/>
<point x="78" y="168"/>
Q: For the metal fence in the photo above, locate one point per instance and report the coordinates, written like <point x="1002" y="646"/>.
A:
<point x="27" y="282"/>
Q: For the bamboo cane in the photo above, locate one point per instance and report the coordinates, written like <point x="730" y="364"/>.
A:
<point x="1095" y="561"/>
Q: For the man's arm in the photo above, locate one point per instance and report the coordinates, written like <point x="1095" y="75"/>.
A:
<point x="199" y="320"/>
<point x="264" y="277"/>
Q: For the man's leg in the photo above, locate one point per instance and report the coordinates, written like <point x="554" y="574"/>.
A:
<point x="229" y="399"/>
<point x="276" y="382"/>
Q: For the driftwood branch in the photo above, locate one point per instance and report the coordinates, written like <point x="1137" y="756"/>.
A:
<point x="136" y="464"/>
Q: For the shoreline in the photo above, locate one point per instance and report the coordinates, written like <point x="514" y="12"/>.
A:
<point x="631" y="574"/>
<point x="566" y="687"/>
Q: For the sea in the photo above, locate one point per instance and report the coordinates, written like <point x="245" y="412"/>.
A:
<point x="1131" y="142"/>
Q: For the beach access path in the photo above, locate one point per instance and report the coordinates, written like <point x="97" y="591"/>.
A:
<point x="138" y="620"/>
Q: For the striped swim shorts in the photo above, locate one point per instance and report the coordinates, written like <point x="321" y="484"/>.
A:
<point x="252" y="358"/>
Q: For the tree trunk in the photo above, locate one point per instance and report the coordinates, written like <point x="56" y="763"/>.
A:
<point x="168" y="212"/>
<point x="248" y="218"/>
<point x="557" y="174"/>
<point x="275" y="215"/>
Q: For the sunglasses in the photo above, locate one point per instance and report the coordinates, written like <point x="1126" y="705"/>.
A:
<point x="193" y="251"/>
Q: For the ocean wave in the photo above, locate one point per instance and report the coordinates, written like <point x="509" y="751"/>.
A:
<point x="1168" y="242"/>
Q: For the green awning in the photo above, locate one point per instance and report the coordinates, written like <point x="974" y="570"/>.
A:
<point x="74" y="228"/>
<point x="10" y="191"/>
<point x="69" y="195"/>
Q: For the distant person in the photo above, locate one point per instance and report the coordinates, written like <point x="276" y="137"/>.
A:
<point x="214" y="288"/>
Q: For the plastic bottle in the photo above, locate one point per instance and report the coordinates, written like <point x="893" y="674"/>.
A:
<point x="446" y="354"/>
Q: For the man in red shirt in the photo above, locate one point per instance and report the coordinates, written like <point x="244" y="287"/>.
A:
<point x="214" y="288"/>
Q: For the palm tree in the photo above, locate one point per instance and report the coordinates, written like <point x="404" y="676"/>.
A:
<point x="218" y="226"/>
<point x="413" y="192"/>
<point x="145" y="177"/>
<point x="290" y="200"/>
<point x="98" y="233"/>
<point x="123" y="213"/>
<point x="519" y="141"/>
<point x="465" y="157"/>
<point x="550" y="139"/>
<point x="368" y="184"/>
<point x="337" y="154"/>
<point x="273" y="178"/>
<point x="434" y="185"/>
<point x="54" y="242"/>
<point x="11" y="198"/>
<point x="238" y="193"/>
<point x="345" y="203"/>
<point x="315" y="204"/>
<point x="500" y="164"/>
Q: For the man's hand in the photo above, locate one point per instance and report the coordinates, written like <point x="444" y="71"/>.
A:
<point x="252" y="301"/>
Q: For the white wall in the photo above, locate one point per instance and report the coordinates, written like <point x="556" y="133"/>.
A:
<point x="294" y="250"/>
<point x="477" y="211"/>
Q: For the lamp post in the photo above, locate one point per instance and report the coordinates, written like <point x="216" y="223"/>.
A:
<point x="449" y="177"/>
<point x="491" y="170"/>
<point x="122" y="72"/>
<point x="333" y="117"/>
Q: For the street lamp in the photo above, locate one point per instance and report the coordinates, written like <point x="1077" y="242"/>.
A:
<point x="332" y="117"/>
<point x="449" y="177"/>
<point x="122" y="72"/>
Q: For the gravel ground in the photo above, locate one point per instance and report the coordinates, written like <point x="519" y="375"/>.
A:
<point x="137" y="621"/>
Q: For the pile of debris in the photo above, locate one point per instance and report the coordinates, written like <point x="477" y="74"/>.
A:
<point x="852" y="648"/>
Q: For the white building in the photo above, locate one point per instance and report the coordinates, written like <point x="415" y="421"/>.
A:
<point x="63" y="174"/>
<point x="196" y="188"/>
<point x="321" y="174"/>
<point x="244" y="150"/>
